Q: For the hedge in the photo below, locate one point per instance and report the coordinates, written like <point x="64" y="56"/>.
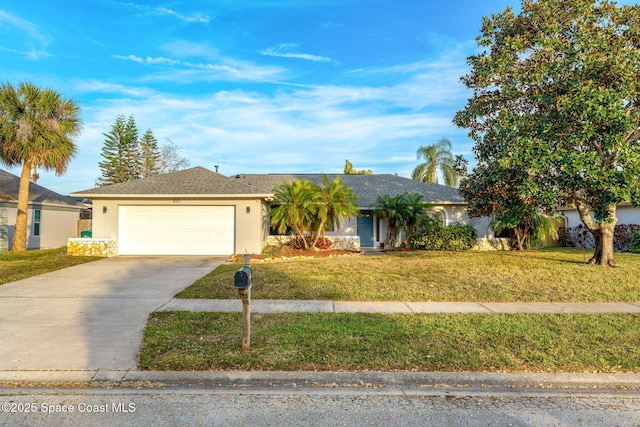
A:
<point x="438" y="237"/>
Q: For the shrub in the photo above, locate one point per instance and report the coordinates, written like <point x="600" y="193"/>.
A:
<point x="635" y="242"/>
<point x="437" y="237"/>
<point x="299" y="242"/>
<point x="580" y="237"/>
<point x="322" y="243"/>
<point x="623" y="236"/>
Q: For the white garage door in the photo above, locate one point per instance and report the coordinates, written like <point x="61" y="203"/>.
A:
<point x="176" y="230"/>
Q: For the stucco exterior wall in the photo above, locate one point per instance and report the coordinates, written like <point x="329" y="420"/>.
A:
<point x="249" y="235"/>
<point x="458" y="214"/>
<point x="626" y="214"/>
<point x="450" y="214"/>
<point x="347" y="228"/>
<point x="248" y="223"/>
<point x="4" y="230"/>
<point x="57" y="224"/>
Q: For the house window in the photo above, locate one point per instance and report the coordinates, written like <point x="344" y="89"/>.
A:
<point x="330" y="227"/>
<point x="36" y="222"/>
<point x="440" y="216"/>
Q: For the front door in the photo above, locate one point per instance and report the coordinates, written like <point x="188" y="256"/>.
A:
<point x="365" y="230"/>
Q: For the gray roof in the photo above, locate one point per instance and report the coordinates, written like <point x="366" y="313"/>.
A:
<point x="199" y="181"/>
<point x="366" y="187"/>
<point x="10" y="185"/>
<point x="196" y="181"/>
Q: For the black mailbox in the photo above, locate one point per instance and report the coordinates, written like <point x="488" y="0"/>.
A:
<point x="242" y="279"/>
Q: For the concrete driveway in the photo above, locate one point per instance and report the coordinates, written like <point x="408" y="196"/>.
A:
<point x="90" y="316"/>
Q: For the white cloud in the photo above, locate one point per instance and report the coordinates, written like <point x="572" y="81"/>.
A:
<point x="35" y="46"/>
<point x="187" y="49"/>
<point x="311" y="128"/>
<point x="293" y="129"/>
<point x="189" y="71"/>
<point x="284" y="50"/>
<point x="149" y="59"/>
<point x="198" y="17"/>
<point x="163" y="11"/>
<point x="97" y="86"/>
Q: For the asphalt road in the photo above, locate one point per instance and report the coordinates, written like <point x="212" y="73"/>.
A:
<point x="316" y="406"/>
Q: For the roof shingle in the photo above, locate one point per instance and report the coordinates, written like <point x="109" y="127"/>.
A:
<point x="193" y="181"/>
<point x="201" y="181"/>
<point x="10" y="185"/>
<point x="366" y="187"/>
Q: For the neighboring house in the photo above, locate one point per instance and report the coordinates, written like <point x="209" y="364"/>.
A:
<point x="625" y="212"/>
<point x="199" y="212"/>
<point x="51" y="218"/>
<point x="576" y="235"/>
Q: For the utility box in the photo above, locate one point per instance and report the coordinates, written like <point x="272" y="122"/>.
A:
<point x="242" y="278"/>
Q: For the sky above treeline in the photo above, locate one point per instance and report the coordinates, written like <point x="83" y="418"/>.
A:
<point x="260" y="86"/>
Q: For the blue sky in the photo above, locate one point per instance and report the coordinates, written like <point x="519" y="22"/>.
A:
<point x="262" y="86"/>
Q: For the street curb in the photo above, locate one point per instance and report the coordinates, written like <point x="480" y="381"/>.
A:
<point x="325" y="379"/>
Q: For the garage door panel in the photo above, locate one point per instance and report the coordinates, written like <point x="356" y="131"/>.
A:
<point x="176" y="230"/>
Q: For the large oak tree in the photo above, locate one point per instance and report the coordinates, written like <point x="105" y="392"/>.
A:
<point x="36" y="130"/>
<point x="556" y="91"/>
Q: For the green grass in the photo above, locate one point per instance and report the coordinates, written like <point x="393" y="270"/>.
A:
<point x="20" y="265"/>
<point x="424" y="342"/>
<point x="544" y="276"/>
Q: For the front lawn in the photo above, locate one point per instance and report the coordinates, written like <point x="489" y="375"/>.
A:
<point x="557" y="274"/>
<point x="420" y="342"/>
<point x="417" y="342"/>
<point x="20" y="265"/>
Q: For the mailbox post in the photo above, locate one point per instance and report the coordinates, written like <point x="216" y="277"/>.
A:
<point x="242" y="282"/>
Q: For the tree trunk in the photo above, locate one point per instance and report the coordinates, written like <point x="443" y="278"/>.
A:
<point x="19" y="243"/>
<point x="392" y="234"/>
<point x="300" y="235"/>
<point x="316" y="236"/>
<point x="602" y="235"/>
<point x="603" y="254"/>
<point x="405" y="242"/>
<point x="519" y="238"/>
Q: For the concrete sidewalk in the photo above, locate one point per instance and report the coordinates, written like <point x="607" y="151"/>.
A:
<point x="291" y="306"/>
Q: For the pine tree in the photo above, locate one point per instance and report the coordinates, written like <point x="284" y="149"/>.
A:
<point x="120" y="152"/>
<point x="150" y="155"/>
<point x="127" y="158"/>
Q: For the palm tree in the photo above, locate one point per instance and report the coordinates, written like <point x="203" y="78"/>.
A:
<point x="414" y="208"/>
<point x="36" y="127"/>
<point x="395" y="210"/>
<point x="437" y="156"/>
<point x="335" y="202"/>
<point x="524" y="222"/>
<point x="295" y="207"/>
